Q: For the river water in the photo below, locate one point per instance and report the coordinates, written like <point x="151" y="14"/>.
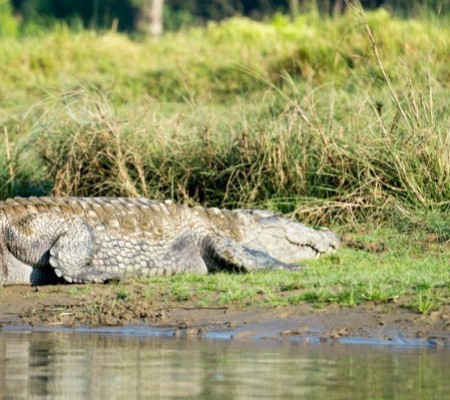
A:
<point x="135" y="365"/>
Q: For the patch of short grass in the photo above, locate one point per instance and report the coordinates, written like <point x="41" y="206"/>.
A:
<point x="427" y="301"/>
<point x="80" y="290"/>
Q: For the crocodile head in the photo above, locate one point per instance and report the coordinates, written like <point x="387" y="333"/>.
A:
<point x="290" y="241"/>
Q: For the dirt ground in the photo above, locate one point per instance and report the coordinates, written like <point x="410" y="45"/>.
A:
<point x="73" y="306"/>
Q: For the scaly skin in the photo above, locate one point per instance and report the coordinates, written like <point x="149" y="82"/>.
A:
<point x="48" y="240"/>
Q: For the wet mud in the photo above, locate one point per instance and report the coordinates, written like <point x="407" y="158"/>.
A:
<point x="72" y="306"/>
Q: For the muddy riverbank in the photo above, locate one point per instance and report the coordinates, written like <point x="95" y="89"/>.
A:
<point x="101" y="306"/>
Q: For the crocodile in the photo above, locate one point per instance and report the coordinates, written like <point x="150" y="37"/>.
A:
<point x="46" y="240"/>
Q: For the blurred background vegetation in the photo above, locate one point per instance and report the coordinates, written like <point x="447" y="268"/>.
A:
<point x="126" y="15"/>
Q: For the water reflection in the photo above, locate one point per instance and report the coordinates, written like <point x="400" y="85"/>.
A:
<point x="73" y="365"/>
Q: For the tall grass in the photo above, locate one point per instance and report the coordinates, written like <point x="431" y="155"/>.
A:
<point x="337" y="120"/>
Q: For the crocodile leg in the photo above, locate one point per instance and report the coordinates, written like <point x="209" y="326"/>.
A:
<point x="72" y="253"/>
<point x="223" y="253"/>
<point x="64" y="242"/>
<point x="185" y="252"/>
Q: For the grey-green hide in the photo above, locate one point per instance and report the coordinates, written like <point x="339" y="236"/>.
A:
<point x="46" y="240"/>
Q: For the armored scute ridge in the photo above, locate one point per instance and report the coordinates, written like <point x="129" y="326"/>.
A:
<point x="47" y="240"/>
